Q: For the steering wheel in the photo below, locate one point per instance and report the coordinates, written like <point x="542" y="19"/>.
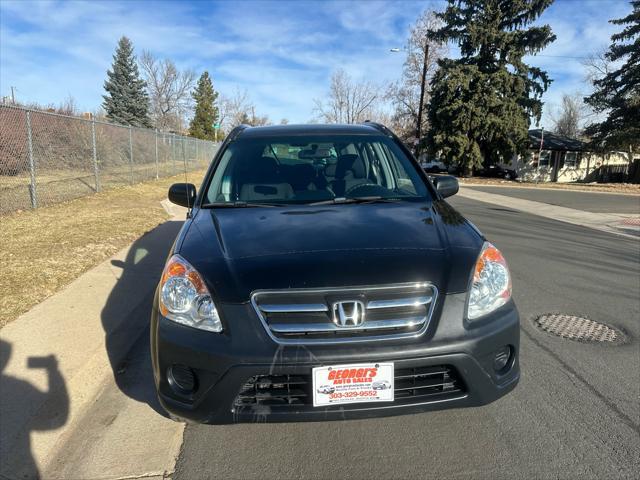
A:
<point x="380" y="190"/>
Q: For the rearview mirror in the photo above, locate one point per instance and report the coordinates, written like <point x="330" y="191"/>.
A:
<point x="446" y="185"/>
<point x="183" y="194"/>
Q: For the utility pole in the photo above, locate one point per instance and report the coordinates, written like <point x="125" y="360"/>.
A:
<point x="423" y="82"/>
<point x="540" y="155"/>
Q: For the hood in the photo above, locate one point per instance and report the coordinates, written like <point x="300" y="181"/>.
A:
<point x="245" y="249"/>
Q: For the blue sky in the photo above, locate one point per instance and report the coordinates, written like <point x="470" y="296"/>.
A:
<point x="282" y="52"/>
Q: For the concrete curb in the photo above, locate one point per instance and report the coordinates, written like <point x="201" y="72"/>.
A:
<point x="61" y="356"/>
<point x="606" y="222"/>
<point x="532" y="187"/>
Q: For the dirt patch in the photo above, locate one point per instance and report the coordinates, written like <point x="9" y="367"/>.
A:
<point x="630" y="188"/>
<point x="47" y="248"/>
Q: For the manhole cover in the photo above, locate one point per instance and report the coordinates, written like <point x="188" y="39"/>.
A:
<point x="578" y="328"/>
<point x="631" y="221"/>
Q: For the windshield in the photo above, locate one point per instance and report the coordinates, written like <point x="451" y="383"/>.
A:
<point x="310" y="169"/>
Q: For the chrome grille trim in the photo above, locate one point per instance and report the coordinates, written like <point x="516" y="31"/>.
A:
<point x="316" y="327"/>
<point x="330" y="327"/>
<point x="289" y="308"/>
<point x="400" y="302"/>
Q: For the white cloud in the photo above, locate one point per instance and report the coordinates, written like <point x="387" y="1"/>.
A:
<point x="282" y="52"/>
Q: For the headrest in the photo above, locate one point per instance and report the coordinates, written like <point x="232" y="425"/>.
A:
<point x="264" y="169"/>
<point x="350" y="161"/>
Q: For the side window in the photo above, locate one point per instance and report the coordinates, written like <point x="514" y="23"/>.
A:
<point x="222" y="178"/>
<point x="402" y="176"/>
<point x="373" y="164"/>
<point x="386" y="172"/>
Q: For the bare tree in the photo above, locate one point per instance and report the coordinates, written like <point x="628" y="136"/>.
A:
<point x="423" y="54"/>
<point x="569" y="117"/>
<point x="238" y="109"/>
<point x="169" y="91"/>
<point x="597" y="65"/>
<point x="250" y="118"/>
<point x="231" y="108"/>
<point x="348" y="101"/>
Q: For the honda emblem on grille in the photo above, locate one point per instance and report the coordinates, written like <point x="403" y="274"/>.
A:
<point x="348" y="313"/>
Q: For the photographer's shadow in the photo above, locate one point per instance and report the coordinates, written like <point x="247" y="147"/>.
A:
<point x="16" y="457"/>
<point x="126" y="314"/>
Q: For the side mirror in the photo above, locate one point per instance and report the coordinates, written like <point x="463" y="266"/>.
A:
<point x="183" y="194"/>
<point x="446" y="185"/>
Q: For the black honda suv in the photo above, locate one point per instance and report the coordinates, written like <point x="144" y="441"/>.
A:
<point x="318" y="262"/>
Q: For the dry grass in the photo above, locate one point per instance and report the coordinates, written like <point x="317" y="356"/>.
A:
<point x="631" y="188"/>
<point x="47" y="248"/>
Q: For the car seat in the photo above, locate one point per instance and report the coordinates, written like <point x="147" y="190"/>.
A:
<point x="261" y="180"/>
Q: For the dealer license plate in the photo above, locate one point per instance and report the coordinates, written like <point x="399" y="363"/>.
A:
<point x="361" y="382"/>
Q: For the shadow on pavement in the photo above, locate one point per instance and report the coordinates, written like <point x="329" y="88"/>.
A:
<point x="16" y="457"/>
<point x="126" y="314"/>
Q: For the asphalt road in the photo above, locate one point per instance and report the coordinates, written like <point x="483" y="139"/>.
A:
<point x="574" y="414"/>
<point x="589" y="201"/>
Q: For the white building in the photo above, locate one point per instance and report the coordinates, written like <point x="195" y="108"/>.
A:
<point x="555" y="158"/>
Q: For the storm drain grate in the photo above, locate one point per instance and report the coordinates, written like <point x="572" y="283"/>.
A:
<point x="578" y="328"/>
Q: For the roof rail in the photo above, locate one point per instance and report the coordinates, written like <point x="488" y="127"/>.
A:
<point x="380" y="127"/>
<point x="236" y="131"/>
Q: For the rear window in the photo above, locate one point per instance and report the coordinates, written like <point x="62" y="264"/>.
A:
<point x="308" y="169"/>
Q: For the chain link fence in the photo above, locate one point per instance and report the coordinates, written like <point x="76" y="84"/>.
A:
<point x="46" y="158"/>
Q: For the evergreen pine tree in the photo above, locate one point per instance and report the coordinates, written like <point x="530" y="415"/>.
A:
<point x="618" y="92"/>
<point x="482" y="103"/>
<point x="127" y="101"/>
<point x="206" y="114"/>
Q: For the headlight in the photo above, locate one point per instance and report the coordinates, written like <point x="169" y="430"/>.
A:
<point x="184" y="298"/>
<point x="491" y="284"/>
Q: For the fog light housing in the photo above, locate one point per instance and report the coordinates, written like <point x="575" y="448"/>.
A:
<point x="182" y="379"/>
<point x="502" y="358"/>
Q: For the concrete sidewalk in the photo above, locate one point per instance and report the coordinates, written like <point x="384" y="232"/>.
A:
<point x="617" y="223"/>
<point x="58" y="359"/>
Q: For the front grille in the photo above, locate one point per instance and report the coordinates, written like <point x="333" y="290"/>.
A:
<point x="293" y="392"/>
<point x="424" y="382"/>
<point x="276" y="390"/>
<point x="315" y="316"/>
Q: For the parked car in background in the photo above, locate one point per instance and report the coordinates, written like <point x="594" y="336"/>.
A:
<point x="497" y="171"/>
<point x="492" y="171"/>
<point x="327" y="246"/>
<point x="433" y="166"/>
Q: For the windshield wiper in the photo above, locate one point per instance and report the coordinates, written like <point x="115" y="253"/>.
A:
<point x="236" y="204"/>
<point x="370" y="199"/>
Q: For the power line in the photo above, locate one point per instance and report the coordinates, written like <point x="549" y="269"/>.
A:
<point x="560" y="56"/>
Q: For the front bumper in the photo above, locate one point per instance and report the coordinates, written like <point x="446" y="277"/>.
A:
<point x="223" y="363"/>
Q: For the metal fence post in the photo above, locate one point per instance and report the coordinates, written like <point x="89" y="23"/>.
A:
<point x="95" y="154"/>
<point x="184" y="156"/>
<point x="157" y="171"/>
<point x="131" y="154"/>
<point x="173" y="153"/>
<point x="32" y="165"/>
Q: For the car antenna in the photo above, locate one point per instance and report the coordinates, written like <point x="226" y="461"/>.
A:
<point x="186" y="179"/>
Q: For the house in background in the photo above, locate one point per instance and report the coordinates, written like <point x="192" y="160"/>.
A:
<point x="555" y="158"/>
